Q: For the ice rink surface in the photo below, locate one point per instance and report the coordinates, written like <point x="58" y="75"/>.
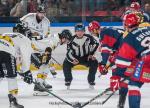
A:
<point x="79" y="92"/>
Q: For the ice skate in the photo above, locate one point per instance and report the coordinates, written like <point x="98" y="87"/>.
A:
<point x="91" y="85"/>
<point x="47" y="86"/>
<point x="40" y="89"/>
<point x="13" y="102"/>
<point x="68" y="85"/>
<point x="122" y="99"/>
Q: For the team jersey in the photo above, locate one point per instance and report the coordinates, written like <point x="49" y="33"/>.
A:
<point x="143" y="24"/>
<point x="134" y="46"/>
<point x="23" y="50"/>
<point x="110" y="39"/>
<point x="40" y="45"/>
<point x="39" y="30"/>
<point x="7" y="45"/>
<point x="145" y="16"/>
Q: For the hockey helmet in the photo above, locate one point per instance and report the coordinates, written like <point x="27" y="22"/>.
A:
<point x="41" y="9"/>
<point x="131" y="20"/>
<point x="22" y="28"/>
<point x="135" y="6"/>
<point x="94" y="25"/>
<point x="79" y="27"/>
<point x="65" y="34"/>
<point x="19" y="27"/>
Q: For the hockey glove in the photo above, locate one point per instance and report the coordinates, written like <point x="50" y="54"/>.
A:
<point x="102" y="69"/>
<point x="115" y="83"/>
<point x="112" y="57"/>
<point x="47" y="55"/>
<point x="27" y="77"/>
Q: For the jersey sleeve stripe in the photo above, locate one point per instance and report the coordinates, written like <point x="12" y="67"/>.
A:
<point x="122" y="62"/>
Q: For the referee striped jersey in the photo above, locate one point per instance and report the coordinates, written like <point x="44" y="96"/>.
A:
<point x="81" y="47"/>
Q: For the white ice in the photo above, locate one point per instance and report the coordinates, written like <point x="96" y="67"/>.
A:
<point x="79" y="92"/>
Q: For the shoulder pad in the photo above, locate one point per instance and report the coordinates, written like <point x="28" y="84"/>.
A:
<point x="28" y="15"/>
<point x="46" y="19"/>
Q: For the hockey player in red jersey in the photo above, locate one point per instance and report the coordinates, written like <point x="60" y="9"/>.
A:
<point x="134" y="46"/>
<point x="136" y="9"/>
<point x="110" y="40"/>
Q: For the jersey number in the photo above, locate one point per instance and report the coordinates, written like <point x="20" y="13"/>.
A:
<point x="146" y="43"/>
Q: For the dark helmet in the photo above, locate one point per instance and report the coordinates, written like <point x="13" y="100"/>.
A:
<point x="19" y="28"/>
<point x="22" y="28"/>
<point x="65" y="34"/>
<point x="41" y="9"/>
<point x="79" y="27"/>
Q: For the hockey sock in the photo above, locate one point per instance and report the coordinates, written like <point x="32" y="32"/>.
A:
<point x="12" y="86"/>
<point x="122" y="94"/>
<point x="134" y="97"/>
<point x="41" y="77"/>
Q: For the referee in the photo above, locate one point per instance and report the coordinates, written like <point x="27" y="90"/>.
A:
<point x="80" y="50"/>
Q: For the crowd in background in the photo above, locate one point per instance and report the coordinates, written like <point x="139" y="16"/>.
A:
<point x="18" y="8"/>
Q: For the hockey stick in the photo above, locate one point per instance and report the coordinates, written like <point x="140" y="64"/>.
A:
<point x="101" y="94"/>
<point x="46" y="90"/>
<point x="103" y="102"/>
<point x="56" y="61"/>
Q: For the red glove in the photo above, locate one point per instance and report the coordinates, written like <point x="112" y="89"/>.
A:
<point x="102" y="69"/>
<point x="115" y="83"/>
<point x="112" y="57"/>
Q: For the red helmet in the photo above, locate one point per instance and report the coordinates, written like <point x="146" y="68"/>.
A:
<point x="135" y="6"/>
<point x="94" y="25"/>
<point x="131" y="20"/>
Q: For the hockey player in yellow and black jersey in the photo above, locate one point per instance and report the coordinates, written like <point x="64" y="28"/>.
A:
<point x="8" y="69"/>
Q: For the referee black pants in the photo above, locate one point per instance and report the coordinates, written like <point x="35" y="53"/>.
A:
<point x="92" y="64"/>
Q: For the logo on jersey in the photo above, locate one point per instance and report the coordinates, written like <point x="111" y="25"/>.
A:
<point x="138" y="69"/>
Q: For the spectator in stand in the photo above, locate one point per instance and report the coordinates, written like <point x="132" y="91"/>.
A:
<point x="72" y="7"/>
<point x="32" y="6"/>
<point x="11" y="4"/>
<point x="101" y="4"/>
<point x="112" y="5"/>
<point x="17" y="10"/>
<point x="51" y="8"/>
<point x="4" y="11"/>
<point x="147" y="10"/>
<point x="64" y="9"/>
<point x="1" y="9"/>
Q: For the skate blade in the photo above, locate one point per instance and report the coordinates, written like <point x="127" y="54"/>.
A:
<point x="12" y="106"/>
<point x="91" y="87"/>
<point x="38" y="93"/>
<point x="110" y="92"/>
